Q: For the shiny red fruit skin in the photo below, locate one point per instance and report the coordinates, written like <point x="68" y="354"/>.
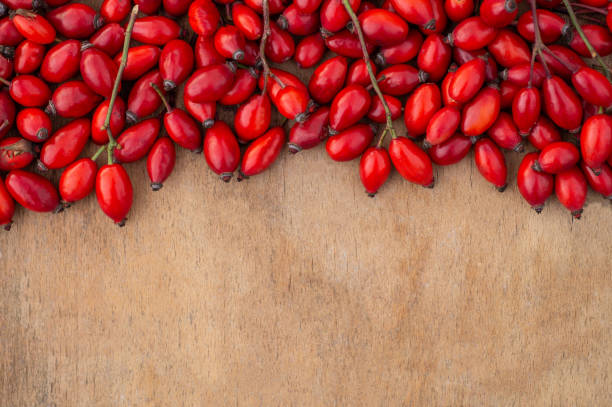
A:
<point x="114" y="192"/>
<point x="349" y="106"/>
<point x="253" y="117"/>
<point x="61" y="62"/>
<point x="534" y="186"/>
<point x="481" y="112"/>
<point x="467" y="80"/>
<point x="140" y="60"/>
<point x="491" y="163"/>
<point x="519" y="75"/>
<point x="247" y="21"/>
<point x="358" y="74"/>
<point x="417" y="12"/>
<point x="109" y="39"/>
<point x="593" y="86"/>
<point x="442" y="126"/>
<point x="498" y="13"/>
<point x="230" y="42"/>
<point x="32" y="191"/>
<point x="65" y="144"/>
<point x="78" y="180"/>
<point x="557" y="157"/>
<point x="447" y="100"/>
<point x="33" y="124"/>
<point x="136" y="141"/>
<point x="571" y="190"/>
<point x="472" y="34"/>
<point x="450" y="151"/>
<point x="596" y="140"/>
<point x="73" y="99"/>
<point x="507" y="91"/>
<point x="570" y="58"/>
<point x="205" y="53"/>
<point x="155" y="30"/>
<point x="526" y="108"/>
<point x="458" y="10"/>
<point x="292" y="103"/>
<point x="183" y="130"/>
<point x="75" y="20"/>
<point x="422" y="104"/>
<point x="204" y="113"/>
<point x="176" y="8"/>
<point x="561" y="103"/>
<point x="334" y="16"/>
<point x="374" y="169"/>
<point x="251" y="54"/>
<point x="599" y="37"/>
<point x="35" y="28"/>
<point x="114" y="11"/>
<point x="307" y="6"/>
<point x="7" y="207"/>
<point x="280" y="46"/>
<point x="601" y="182"/>
<point x="262" y="152"/>
<point x="15" y="153"/>
<point x="175" y="63"/>
<point x="505" y="134"/>
<point x="7" y="113"/>
<point x="437" y="7"/>
<point x="411" y="162"/>
<point x="347" y="44"/>
<point x="210" y="83"/>
<point x="221" y="150"/>
<point x="383" y="28"/>
<point x="552" y="26"/>
<point x="288" y="79"/>
<point x="461" y="57"/>
<point x="9" y="36"/>
<point x="377" y="111"/>
<point x="327" y="80"/>
<point x="6" y="68"/>
<point x="28" y="57"/>
<point x="402" y="52"/>
<point x="543" y="133"/>
<point x="160" y="162"/>
<point x="311" y="132"/>
<point x="349" y="143"/>
<point x="148" y="6"/>
<point x="400" y="79"/>
<point x="117" y="121"/>
<point x="143" y="100"/>
<point x="243" y="87"/>
<point x="309" y="50"/>
<point x="298" y="22"/>
<point x="434" y="57"/>
<point x="203" y="17"/>
<point x="29" y="91"/>
<point x="276" y="6"/>
<point x="98" y="71"/>
<point x="509" y="49"/>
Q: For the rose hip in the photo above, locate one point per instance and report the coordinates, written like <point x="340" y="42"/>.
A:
<point x="29" y="91"/>
<point x="309" y="133"/>
<point x="509" y="49"/>
<point x="505" y="134"/>
<point x="596" y="141"/>
<point x="526" y="108"/>
<point x="402" y="52"/>
<point x="280" y="46"/>
<point x="65" y="145"/>
<point x="561" y="103"/>
<point x="204" y="113"/>
<point x="61" y="62"/>
<point x="77" y="180"/>
<point x="377" y="111"/>
<point x="136" y="141"/>
<point x="243" y="87"/>
<point x="98" y="71"/>
<point x="7" y="113"/>
<point x="297" y="22"/>
<point x="7" y="207"/>
<point x="143" y="100"/>
<point x="34" y="27"/>
<point x="434" y="57"/>
<point x="175" y="63"/>
<point x="108" y="39"/>
<point x="160" y="162"/>
<point x="481" y="112"/>
<point x="210" y="83"/>
<point x="491" y="163"/>
<point x="114" y="11"/>
<point x="601" y="182"/>
<point x="557" y="157"/>
<point x="571" y="190"/>
<point x="472" y="34"/>
<point x="349" y="143"/>
<point x="401" y="79"/>
<point x="114" y="192"/>
<point x="32" y="191"/>
<point x="247" y="21"/>
<point x="411" y="162"/>
<point x="221" y="150"/>
<point x="72" y="99"/>
<point x="422" y="104"/>
<point x="593" y="86"/>
<point x="33" y="124"/>
<point x="75" y="20"/>
<point x="15" y="153"/>
<point x="442" y="126"/>
<point x="203" y="17"/>
<point x="140" y="60"/>
<point x="327" y="80"/>
<point x="498" y="13"/>
<point x="381" y="27"/>
<point x="374" y="169"/>
<point x="467" y="80"/>
<point x="451" y="151"/>
<point x="349" y="106"/>
<point x="28" y="57"/>
<point x="534" y="186"/>
<point x="230" y="42"/>
<point x="309" y="50"/>
<point x="253" y="117"/>
<point x="347" y="44"/>
<point x="157" y="30"/>
<point x="117" y="120"/>
<point x="261" y="153"/>
<point x="543" y="133"/>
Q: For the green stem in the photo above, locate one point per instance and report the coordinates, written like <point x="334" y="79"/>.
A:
<point x="538" y="43"/>
<point x="4" y="81"/>
<point x="97" y="154"/>
<point x="4" y="124"/>
<point x="162" y="97"/>
<point x="262" y="45"/>
<point x="366" y="59"/>
<point x="594" y="54"/>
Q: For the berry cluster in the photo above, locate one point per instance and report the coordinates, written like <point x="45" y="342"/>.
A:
<point x="462" y="75"/>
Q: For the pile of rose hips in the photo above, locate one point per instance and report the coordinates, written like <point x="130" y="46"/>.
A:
<point x="461" y="74"/>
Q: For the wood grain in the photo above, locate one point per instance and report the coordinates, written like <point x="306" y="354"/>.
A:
<point x="295" y="289"/>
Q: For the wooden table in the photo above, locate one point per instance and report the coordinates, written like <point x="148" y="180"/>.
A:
<point x="295" y="289"/>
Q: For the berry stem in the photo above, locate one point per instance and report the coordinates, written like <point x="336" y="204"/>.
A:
<point x="590" y="8"/>
<point x="162" y="97"/>
<point x="262" y="45"/>
<point x="538" y="44"/>
<point x="594" y="54"/>
<point x="366" y="58"/>
<point x="4" y="124"/>
<point x="4" y="81"/>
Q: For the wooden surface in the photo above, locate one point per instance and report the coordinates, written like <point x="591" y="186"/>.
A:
<point x="295" y="289"/>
